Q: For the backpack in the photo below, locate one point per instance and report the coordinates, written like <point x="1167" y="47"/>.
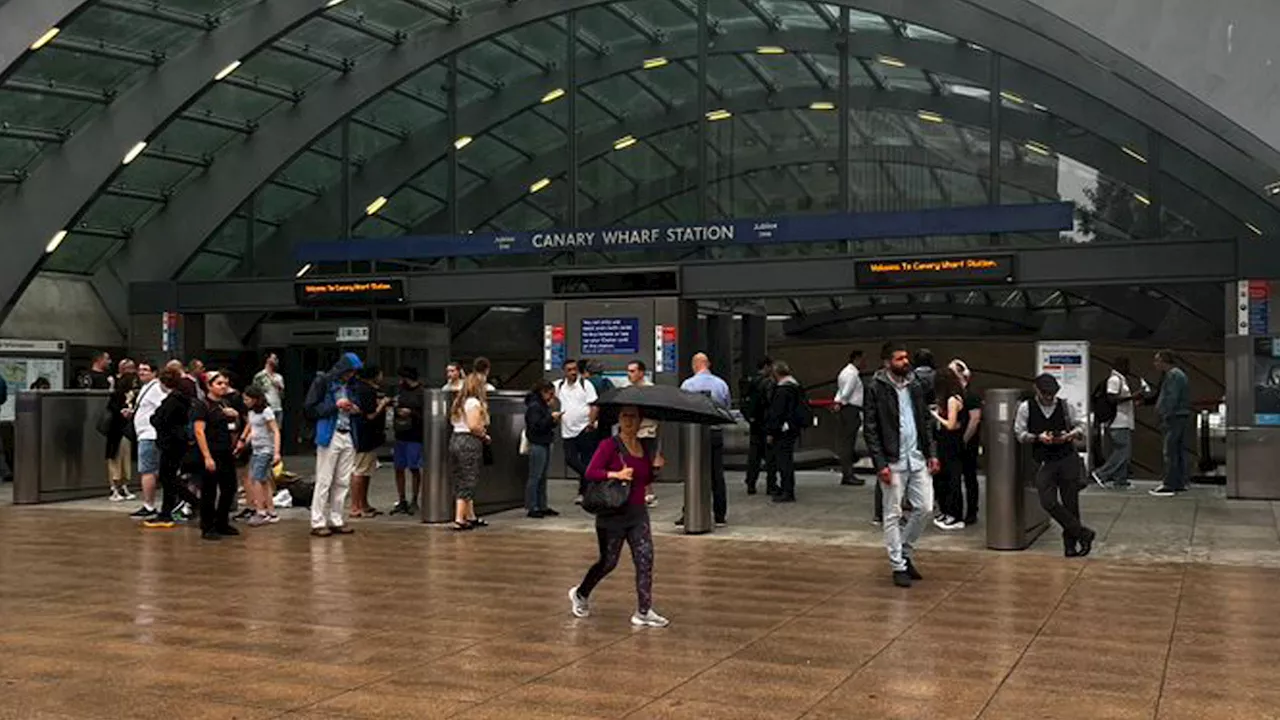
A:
<point x="315" y="395"/>
<point x="1104" y="408"/>
<point x="757" y="399"/>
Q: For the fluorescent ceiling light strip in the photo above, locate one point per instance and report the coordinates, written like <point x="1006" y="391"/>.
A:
<point x="553" y="95"/>
<point x="822" y="105"/>
<point x="462" y="142"/>
<point x="134" y="152"/>
<point x="46" y="38"/>
<point x="376" y="205"/>
<point x="928" y="116"/>
<point x="1253" y="228"/>
<point x="1133" y="154"/>
<point x="539" y="185"/>
<point x="61" y="235"/>
<point x="891" y="61"/>
<point x="624" y="142"/>
<point x="656" y="62"/>
<point x="305" y="269"/>
<point x="226" y="71"/>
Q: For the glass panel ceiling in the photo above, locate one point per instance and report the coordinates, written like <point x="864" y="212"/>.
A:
<point x="113" y="44"/>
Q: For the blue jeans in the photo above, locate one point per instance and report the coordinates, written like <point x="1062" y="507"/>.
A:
<point x="535" y="490"/>
<point x="917" y="486"/>
<point x="1116" y="469"/>
<point x="1175" y="452"/>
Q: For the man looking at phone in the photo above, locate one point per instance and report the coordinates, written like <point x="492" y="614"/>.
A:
<point x="1047" y="424"/>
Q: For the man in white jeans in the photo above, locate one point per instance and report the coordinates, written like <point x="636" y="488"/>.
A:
<point x="898" y="432"/>
<point x="330" y="406"/>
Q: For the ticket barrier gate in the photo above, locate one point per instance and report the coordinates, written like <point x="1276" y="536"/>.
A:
<point x="502" y="483"/>
<point x="1014" y="516"/>
<point x="58" y="453"/>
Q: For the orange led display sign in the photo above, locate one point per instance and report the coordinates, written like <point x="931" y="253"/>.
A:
<point x="355" y="291"/>
<point x="935" y="271"/>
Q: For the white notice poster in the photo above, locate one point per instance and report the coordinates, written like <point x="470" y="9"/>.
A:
<point x="1068" y="360"/>
<point x="20" y="372"/>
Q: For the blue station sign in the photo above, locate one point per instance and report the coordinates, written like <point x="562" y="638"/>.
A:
<point x="977" y="220"/>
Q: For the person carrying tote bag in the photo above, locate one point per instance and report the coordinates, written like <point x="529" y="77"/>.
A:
<point x="630" y="524"/>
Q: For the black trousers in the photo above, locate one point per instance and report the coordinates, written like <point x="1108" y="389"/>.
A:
<point x="850" y="424"/>
<point x="1058" y="482"/>
<point x="218" y="494"/>
<point x="577" y="455"/>
<point x="785" y="458"/>
<point x="969" y="467"/>
<point x="719" y="493"/>
<point x="947" y="484"/>
<point x="171" y="483"/>
<point x="760" y="453"/>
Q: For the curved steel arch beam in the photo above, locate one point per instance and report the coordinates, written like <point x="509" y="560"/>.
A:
<point x="62" y="185"/>
<point x="22" y="22"/>
<point x="239" y="172"/>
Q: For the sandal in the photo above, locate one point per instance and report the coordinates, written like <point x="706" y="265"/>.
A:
<point x="460" y="527"/>
<point x="478" y="523"/>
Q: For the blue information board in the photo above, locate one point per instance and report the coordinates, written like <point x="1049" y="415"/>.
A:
<point x="610" y="336"/>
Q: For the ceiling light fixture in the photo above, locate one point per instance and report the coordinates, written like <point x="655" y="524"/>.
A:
<point x="624" y="142"/>
<point x="134" y="152"/>
<point x="539" y="186"/>
<point x="719" y="115"/>
<point x="929" y="116"/>
<point x="1038" y="148"/>
<point x="305" y="269"/>
<point x="890" y="61"/>
<point x="777" y="318"/>
<point x="771" y="50"/>
<point x="46" y="38"/>
<point x="61" y="235"/>
<point x="226" y="71"/>
<point x="1254" y="228"/>
<point x="462" y="142"/>
<point x="1012" y="97"/>
<point x="1133" y="154"/>
<point x="376" y="205"/>
<point x="553" y="95"/>
<point x="656" y="62"/>
<point x="1273" y="188"/>
<point x="1142" y="199"/>
<point x="822" y="105"/>
<point x="329" y="4"/>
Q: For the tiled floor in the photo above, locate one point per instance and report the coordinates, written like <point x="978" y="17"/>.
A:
<point x="100" y="619"/>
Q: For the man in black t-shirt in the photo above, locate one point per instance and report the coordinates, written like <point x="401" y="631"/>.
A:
<point x="370" y="434"/>
<point x="410" y="404"/>
<point x="99" y="375"/>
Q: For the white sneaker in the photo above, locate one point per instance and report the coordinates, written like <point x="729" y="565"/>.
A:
<point x="651" y="501"/>
<point x="128" y="495"/>
<point x="942" y="522"/>
<point x="1098" y="479"/>
<point x="577" y="500"/>
<point x="956" y="525"/>
<point x="580" y="606"/>
<point x="116" y="496"/>
<point x="649" y="619"/>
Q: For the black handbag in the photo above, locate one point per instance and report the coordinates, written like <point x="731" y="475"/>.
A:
<point x="607" y="497"/>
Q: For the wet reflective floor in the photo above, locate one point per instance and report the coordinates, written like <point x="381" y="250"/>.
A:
<point x="100" y="619"/>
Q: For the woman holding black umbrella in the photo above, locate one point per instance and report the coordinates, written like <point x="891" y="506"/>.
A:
<point x="623" y="458"/>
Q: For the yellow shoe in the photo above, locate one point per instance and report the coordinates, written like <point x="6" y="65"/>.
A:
<point x="156" y="522"/>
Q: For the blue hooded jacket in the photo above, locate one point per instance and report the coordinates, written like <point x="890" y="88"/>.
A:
<point x="322" y="405"/>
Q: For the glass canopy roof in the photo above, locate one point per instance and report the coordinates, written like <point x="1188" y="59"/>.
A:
<point x="918" y="125"/>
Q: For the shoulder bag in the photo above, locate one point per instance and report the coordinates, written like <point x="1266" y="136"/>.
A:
<point x="607" y="497"/>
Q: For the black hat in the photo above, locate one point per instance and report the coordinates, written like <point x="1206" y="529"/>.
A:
<point x="1046" y="384"/>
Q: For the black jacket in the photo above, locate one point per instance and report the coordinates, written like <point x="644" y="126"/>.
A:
<point x="785" y="400"/>
<point x="880" y="421"/>
<point x="172" y="421"/>
<point x="539" y="426"/>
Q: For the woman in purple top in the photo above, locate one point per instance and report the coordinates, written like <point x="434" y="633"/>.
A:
<point x="623" y="457"/>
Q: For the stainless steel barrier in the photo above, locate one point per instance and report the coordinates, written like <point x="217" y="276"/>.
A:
<point x="697" y="478"/>
<point x="1014" y="516"/>
<point x="58" y="453"/>
<point x="501" y="483"/>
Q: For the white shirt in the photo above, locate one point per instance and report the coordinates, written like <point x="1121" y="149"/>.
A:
<point x="849" y="386"/>
<point x="149" y="398"/>
<point x="575" y="406"/>
<point x="457" y="387"/>
<point x="1117" y="384"/>
<point x="460" y="423"/>
<point x="272" y="384"/>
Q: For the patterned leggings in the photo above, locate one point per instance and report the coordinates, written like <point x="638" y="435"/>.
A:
<point x="636" y="534"/>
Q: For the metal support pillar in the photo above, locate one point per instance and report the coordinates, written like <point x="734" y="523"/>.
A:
<point x="571" y="62"/>
<point x="697" y="473"/>
<point x="451" y="192"/>
<point x="345" y="207"/>
<point x="704" y="136"/>
<point x="842" y="106"/>
<point x="437" y="491"/>
<point x="753" y="336"/>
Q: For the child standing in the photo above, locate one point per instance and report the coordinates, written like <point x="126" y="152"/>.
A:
<point x="262" y="435"/>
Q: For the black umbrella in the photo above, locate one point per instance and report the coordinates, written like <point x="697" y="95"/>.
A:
<point x="667" y="403"/>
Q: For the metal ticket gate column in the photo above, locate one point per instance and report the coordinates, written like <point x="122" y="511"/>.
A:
<point x="437" y="490"/>
<point x="1014" y="516"/>
<point x="697" y="478"/>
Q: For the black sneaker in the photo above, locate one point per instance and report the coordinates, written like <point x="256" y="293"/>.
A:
<point x="780" y="498"/>
<point x="144" y="512"/>
<point x="536" y="514"/>
<point x="1162" y="491"/>
<point x="548" y="512"/>
<point x="414" y="509"/>
<point x="400" y="508"/>
<point x="854" y="482"/>
<point x="210" y="535"/>
<point x="902" y="578"/>
<point x="751" y="490"/>
<point x="680" y="521"/>
<point x="774" y="490"/>
<point x="227" y="531"/>
<point x="913" y="572"/>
